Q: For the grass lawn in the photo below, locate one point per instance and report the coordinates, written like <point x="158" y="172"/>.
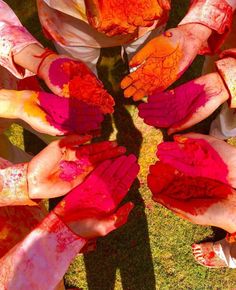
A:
<point x="152" y="251"/>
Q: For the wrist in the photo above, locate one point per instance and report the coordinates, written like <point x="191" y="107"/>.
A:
<point x="14" y="185"/>
<point x="197" y="30"/>
<point x="8" y="107"/>
<point x="27" y="57"/>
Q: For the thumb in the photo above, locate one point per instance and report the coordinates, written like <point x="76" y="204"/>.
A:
<point x="117" y="219"/>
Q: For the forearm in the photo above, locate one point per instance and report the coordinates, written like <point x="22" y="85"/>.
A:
<point x="14" y="186"/>
<point x="28" y="57"/>
<point x="226" y="67"/>
<point x="46" y="252"/>
<point x="216" y="15"/>
<point x="14" y="38"/>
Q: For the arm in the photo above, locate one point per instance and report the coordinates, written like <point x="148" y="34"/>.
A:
<point x="87" y="210"/>
<point x="216" y="15"/>
<point x="46" y="252"/>
<point x="14" y="186"/>
<point x="226" y="67"/>
<point x="15" y="39"/>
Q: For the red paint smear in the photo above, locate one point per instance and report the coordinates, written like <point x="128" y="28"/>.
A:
<point x="70" y="114"/>
<point x="173" y="188"/>
<point x="82" y="83"/>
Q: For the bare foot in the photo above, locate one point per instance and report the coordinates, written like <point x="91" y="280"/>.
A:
<point x="214" y="255"/>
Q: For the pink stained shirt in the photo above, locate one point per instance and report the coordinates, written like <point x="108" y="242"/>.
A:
<point x="13" y="38"/>
<point x="65" y="22"/>
<point x="33" y="246"/>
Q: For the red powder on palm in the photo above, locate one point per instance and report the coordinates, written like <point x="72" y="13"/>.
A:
<point x="88" y="89"/>
<point x="187" y="193"/>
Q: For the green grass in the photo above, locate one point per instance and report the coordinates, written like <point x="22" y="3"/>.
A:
<point x="152" y="251"/>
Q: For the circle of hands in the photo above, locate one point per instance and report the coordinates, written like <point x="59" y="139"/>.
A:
<point x="195" y="174"/>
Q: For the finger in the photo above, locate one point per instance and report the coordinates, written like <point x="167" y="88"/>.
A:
<point x="130" y="91"/>
<point x="126" y="167"/>
<point x="74" y="140"/>
<point x="94" y="148"/>
<point x="115" y="166"/>
<point x="109" y="154"/>
<point x="113" y="222"/>
<point x="125" y="183"/>
<point x="99" y="171"/>
<point x="127" y="81"/>
<point x="143" y="54"/>
<point x="139" y="94"/>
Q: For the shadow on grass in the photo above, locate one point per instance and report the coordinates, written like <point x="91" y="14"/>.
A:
<point x="126" y="250"/>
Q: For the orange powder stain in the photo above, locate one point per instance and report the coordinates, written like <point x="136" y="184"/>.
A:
<point x="160" y="69"/>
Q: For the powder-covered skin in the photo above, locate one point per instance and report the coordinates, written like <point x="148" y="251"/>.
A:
<point x="193" y="195"/>
<point x="117" y="17"/>
<point x="72" y="169"/>
<point x="76" y="80"/>
<point x="194" y="157"/>
<point x="173" y="107"/>
<point x="158" y="66"/>
<point x="70" y="114"/>
<point x="101" y="193"/>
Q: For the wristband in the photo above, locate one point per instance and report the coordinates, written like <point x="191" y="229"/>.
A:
<point x="43" y="56"/>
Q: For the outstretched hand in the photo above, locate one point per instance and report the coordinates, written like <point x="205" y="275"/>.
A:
<point x="186" y="105"/>
<point x="199" y="200"/>
<point x="201" y="155"/>
<point x="90" y="209"/>
<point x="68" y="78"/>
<point x="48" y="113"/>
<point x="163" y="60"/>
<point x="65" y="163"/>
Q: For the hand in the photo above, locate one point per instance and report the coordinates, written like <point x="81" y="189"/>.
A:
<point x="197" y="199"/>
<point x="201" y="155"/>
<point x="98" y="197"/>
<point x="163" y="60"/>
<point x="116" y="18"/>
<point x="50" y="114"/>
<point x="67" y="77"/>
<point x="186" y="105"/>
<point x="64" y="164"/>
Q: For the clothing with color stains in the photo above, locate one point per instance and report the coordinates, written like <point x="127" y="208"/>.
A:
<point x="66" y="22"/>
<point x="215" y="14"/>
<point x="13" y="38"/>
<point x="27" y="241"/>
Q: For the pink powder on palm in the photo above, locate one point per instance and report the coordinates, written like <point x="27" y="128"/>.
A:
<point x="69" y="114"/>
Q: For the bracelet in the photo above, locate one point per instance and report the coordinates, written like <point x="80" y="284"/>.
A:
<point x="43" y="56"/>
